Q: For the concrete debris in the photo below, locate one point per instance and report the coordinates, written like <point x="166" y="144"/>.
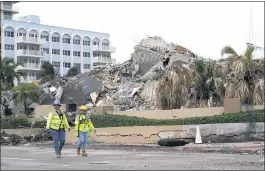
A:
<point x="16" y="140"/>
<point x="127" y="86"/>
<point x="94" y="97"/>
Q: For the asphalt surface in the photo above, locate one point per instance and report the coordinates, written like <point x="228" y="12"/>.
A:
<point x="43" y="158"/>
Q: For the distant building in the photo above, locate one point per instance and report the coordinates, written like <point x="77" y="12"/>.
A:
<point x="32" y="43"/>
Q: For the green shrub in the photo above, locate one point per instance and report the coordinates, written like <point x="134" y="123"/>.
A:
<point x="13" y="123"/>
<point x="102" y="121"/>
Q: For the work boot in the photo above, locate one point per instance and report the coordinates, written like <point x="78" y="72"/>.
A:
<point x="84" y="153"/>
<point x="78" y="151"/>
<point x="57" y="154"/>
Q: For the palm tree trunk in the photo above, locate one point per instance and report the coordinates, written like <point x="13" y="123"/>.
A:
<point x="25" y="106"/>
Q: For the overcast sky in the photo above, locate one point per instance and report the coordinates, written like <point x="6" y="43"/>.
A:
<point x="202" y="27"/>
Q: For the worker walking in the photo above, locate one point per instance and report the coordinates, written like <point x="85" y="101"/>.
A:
<point x="57" y="124"/>
<point x="83" y="130"/>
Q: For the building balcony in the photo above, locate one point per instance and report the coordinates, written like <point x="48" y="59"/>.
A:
<point x="29" y="66"/>
<point x="13" y="9"/>
<point x="7" y="17"/>
<point x="102" y="60"/>
<point x="28" y="79"/>
<point x="101" y="48"/>
<point x="30" y="53"/>
<point x="30" y="40"/>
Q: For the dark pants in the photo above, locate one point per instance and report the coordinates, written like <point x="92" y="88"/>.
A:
<point x="58" y="139"/>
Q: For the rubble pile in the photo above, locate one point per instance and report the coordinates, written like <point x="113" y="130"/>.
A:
<point x="16" y="140"/>
<point x="130" y="85"/>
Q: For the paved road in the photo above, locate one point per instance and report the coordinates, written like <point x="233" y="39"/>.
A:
<point x="40" y="158"/>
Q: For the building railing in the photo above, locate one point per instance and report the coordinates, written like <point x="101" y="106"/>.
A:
<point x="109" y="48"/>
<point x="30" y="53"/>
<point x="30" y="39"/>
<point x="102" y="59"/>
<point x="31" y="65"/>
<point x="103" y="48"/>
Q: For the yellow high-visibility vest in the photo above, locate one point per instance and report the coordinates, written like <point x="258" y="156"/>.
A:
<point x="57" y="122"/>
<point x="84" y="124"/>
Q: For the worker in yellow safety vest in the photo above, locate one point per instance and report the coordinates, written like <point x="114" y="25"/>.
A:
<point x="57" y="124"/>
<point x="83" y="130"/>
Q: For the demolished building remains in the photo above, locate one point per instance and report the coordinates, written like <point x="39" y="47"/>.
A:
<point x="127" y="86"/>
<point x="137" y="84"/>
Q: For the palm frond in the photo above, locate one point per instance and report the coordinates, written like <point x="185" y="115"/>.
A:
<point x="258" y="94"/>
<point x="228" y="50"/>
<point x="239" y="66"/>
<point x="172" y="88"/>
<point x="248" y="55"/>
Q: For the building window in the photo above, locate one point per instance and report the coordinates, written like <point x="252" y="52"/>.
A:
<point x="46" y="50"/>
<point x="45" y="37"/>
<point x="106" y="55"/>
<point x="66" y="52"/>
<point x="9" y="33"/>
<point x="105" y="44"/>
<point x="86" y="66"/>
<point x="55" y="39"/>
<point x="96" y="54"/>
<point x="66" y="65"/>
<point x="95" y="43"/>
<point x="19" y="47"/>
<point x="86" y="43"/>
<point x="21" y="34"/>
<point x="56" y="51"/>
<point x="56" y="64"/>
<point x="42" y="62"/>
<point x="33" y="35"/>
<point x="9" y="47"/>
<point x="76" y="53"/>
<point x="78" y="66"/>
<point x="76" y="41"/>
<point x="66" y="40"/>
<point x="86" y="54"/>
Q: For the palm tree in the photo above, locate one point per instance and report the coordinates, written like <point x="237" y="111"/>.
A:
<point x="48" y="72"/>
<point x="244" y="81"/>
<point x="24" y="92"/>
<point x="8" y="72"/>
<point x="173" y="87"/>
<point x="232" y="56"/>
<point x="209" y="81"/>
